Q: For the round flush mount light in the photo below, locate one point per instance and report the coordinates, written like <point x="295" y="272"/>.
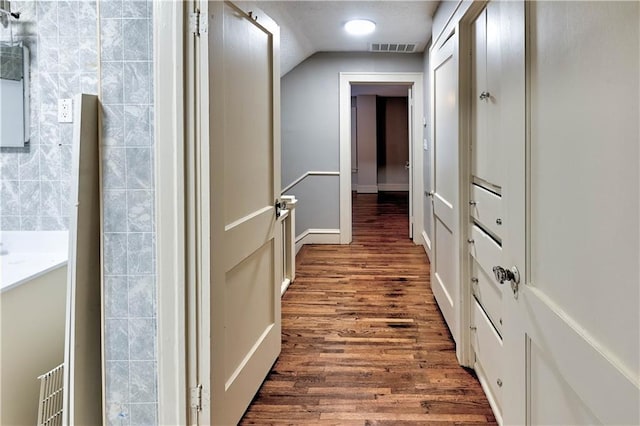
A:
<point x="360" y="26"/>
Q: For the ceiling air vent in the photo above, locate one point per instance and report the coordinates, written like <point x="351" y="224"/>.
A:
<point x="393" y="47"/>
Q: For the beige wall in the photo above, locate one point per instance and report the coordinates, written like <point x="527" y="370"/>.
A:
<point x="32" y="321"/>
<point x="392" y="174"/>
<point x="367" y="139"/>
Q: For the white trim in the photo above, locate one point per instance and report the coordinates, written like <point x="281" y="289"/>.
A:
<point x="285" y="285"/>
<point x="495" y="407"/>
<point x="317" y="236"/>
<point x="367" y="189"/>
<point x="393" y="187"/>
<point x="457" y="15"/>
<point x="307" y="174"/>
<point x="346" y="79"/>
<point x="427" y="245"/>
<point x="462" y="21"/>
<point x="170" y="220"/>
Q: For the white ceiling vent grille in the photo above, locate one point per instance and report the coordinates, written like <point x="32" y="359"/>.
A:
<point x="393" y="47"/>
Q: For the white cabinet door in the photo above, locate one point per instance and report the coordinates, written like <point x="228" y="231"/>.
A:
<point x="242" y="239"/>
<point x="571" y="336"/>
<point x="445" y="265"/>
<point x="488" y="111"/>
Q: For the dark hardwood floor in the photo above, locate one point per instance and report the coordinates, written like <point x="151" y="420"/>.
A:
<point x="363" y="341"/>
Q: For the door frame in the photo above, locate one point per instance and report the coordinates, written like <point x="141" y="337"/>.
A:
<point x="174" y="140"/>
<point x="411" y="79"/>
<point x="464" y="29"/>
<point x="459" y="23"/>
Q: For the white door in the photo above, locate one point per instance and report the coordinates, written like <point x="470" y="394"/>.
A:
<point x="445" y="265"/>
<point x="409" y="165"/>
<point x="571" y="336"/>
<point x="242" y="260"/>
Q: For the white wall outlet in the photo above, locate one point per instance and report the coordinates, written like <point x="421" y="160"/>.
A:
<point x="65" y="110"/>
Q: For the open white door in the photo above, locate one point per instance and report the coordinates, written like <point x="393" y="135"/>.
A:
<point x="241" y="272"/>
<point x="572" y="347"/>
<point x="410" y="164"/>
<point x="445" y="265"/>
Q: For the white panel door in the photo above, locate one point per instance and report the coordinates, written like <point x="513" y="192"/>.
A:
<point x="446" y="265"/>
<point x="410" y="163"/>
<point x="571" y="336"/>
<point x="241" y="323"/>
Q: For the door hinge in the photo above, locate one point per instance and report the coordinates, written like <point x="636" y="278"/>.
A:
<point x="197" y="23"/>
<point x="196" y="398"/>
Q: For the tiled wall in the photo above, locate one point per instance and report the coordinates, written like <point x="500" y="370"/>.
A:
<point x="35" y="180"/>
<point x="34" y="188"/>
<point x="127" y="99"/>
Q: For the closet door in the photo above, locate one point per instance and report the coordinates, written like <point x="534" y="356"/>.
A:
<point x="445" y="267"/>
<point x="488" y="113"/>
<point x="572" y="346"/>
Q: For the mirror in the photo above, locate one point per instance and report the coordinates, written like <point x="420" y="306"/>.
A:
<point x="14" y="95"/>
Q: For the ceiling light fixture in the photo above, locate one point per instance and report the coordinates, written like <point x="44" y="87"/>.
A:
<point x="360" y="26"/>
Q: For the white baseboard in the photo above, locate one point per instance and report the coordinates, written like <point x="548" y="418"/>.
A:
<point x="284" y="286"/>
<point x="427" y="244"/>
<point x="393" y="187"/>
<point x="367" y="189"/>
<point x="317" y="236"/>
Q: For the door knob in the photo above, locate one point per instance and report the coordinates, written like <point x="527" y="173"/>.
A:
<point x="512" y="275"/>
<point x="484" y="96"/>
<point x="503" y="275"/>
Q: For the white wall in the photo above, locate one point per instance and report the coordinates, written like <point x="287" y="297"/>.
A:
<point x="310" y="127"/>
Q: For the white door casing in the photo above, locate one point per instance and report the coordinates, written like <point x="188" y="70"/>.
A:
<point x="445" y="265"/>
<point x="571" y="339"/>
<point x="169" y="34"/>
<point x="241" y="261"/>
<point x="346" y="79"/>
<point x="410" y="166"/>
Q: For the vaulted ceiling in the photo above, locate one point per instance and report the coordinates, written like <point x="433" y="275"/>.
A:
<point x="308" y="27"/>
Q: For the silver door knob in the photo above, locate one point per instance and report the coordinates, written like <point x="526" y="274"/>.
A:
<point x="503" y="275"/>
<point x="484" y="96"/>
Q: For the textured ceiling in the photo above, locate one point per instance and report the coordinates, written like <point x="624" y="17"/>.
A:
<point x="317" y="26"/>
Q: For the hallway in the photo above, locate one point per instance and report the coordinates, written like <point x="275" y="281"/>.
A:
<point x="363" y="340"/>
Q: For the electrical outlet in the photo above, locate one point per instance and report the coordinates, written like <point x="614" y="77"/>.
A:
<point x="65" y="111"/>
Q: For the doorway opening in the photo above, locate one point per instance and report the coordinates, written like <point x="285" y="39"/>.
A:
<point x="366" y="174"/>
<point x="380" y="146"/>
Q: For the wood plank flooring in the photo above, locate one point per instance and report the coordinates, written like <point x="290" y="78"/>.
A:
<point x="363" y="340"/>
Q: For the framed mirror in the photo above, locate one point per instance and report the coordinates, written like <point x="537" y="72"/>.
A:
<point x="14" y="95"/>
